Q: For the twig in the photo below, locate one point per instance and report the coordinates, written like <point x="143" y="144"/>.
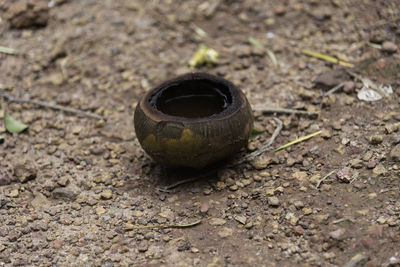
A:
<point x="262" y="149"/>
<point x="161" y="226"/>
<point x="327" y="58"/>
<point x="323" y="179"/>
<point x="52" y="106"/>
<point x="9" y="51"/>
<point x="184" y="181"/>
<point x="246" y="158"/>
<point x="298" y="140"/>
<point x="343" y="220"/>
<point x="284" y="111"/>
<point x="334" y="89"/>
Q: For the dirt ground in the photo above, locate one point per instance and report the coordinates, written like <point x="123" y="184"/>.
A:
<point x="73" y="188"/>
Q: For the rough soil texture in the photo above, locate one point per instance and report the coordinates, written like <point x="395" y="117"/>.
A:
<point x="72" y="188"/>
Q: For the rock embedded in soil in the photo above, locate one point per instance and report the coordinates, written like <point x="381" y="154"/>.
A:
<point x="389" y="47"/>
<point x="331" y="78"/>
<point x="27" y="14"/>
<point x="25" y="171"/>
<point x="395" y="153"/>
<point x="273" y="201"/>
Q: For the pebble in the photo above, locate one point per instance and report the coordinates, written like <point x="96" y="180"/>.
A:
<point x="225" y="232"/>
<point x="337" y="234"/>
<point x="106" y="194"/>
<point x="299" y="204"/>
<point x="389" y="47"/>
<point x="379" y="170"/>
<point x="349" y="87"/>
<point x="240" y="218"/>
<point x="100" y="210"/>
<point x="331" y="78"/>
<point x="261" y="163"/>
<point x="375" y="139"/>
<point x="217" y="221"/>
<point x="359" y="259"/>
<point x="343" y="175"/>
<point x="25" y="171"/>
<point x="273" y="201"/>
<point x="143" y="246"/>
<point x="204" y="207"/>
<point x="395" y="153"/>
<point x="13" y="193"/>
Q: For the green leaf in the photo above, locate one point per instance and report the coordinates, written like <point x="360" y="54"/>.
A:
<point x="255" y="43"/>
<point x="12" y="125"/>
<point x="254" y="133"/>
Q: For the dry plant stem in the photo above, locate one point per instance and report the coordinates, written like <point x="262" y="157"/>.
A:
<point x="52" y="106"/>
<point x="284" y="111"/>
<point x="334" y="89"/>
<point x="326" y="176"/>
<point x="246" y="158"/>
<point x="163" y="226"/>
<point x="262" y="149"/>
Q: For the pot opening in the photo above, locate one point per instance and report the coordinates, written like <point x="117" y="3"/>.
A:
<point x="193" y="99"/>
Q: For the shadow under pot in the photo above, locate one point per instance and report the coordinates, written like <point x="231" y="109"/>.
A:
<point x="193" y="120"/>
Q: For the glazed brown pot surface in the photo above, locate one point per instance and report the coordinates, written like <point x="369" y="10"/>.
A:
<point x="193" y="120"/>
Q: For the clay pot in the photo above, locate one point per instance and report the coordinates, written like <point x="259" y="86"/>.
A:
<point x="193" y="120"/>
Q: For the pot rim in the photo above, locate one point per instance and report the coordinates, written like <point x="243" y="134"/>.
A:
<point x="155" y="114"/>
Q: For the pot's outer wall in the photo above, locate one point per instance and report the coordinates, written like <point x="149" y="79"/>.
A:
<point x="193" y="143"/>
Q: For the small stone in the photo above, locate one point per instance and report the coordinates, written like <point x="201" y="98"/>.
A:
<point x="40" y="201"/>
<point x="204" y="207"/>
<point x="100" y="210"/>
<point x="225" y="232"/>
<point x="356" y="163"/>
<point x="273" y="201"/>
<point x="184" y="247"/>
<point x="370" y="243"/>
<point x="220" y="185"/>
<point x="381" y="220"/>
<point x="25" y="171"/>
<point x="261" y="162"/>
<point x="217" y="221"/>
<point x="234" y="187"/>
<point x="76" y="129"/>
<point x="307" y="211"/>
<point x="298" y="230"/>
<point x="395" y="153"/>
<point x="337" y="234"/>
<point x="343" y="175"/>
<point x="13" y="193"/>
<point x="375" y="139"/>
<point x="280" y="10"/>
<point x="379" y="170"/>
<point x="300" y="175"/>
<point x="57" y="244"/>
<point x="143" y="246"/>
<point x="67" y="193"/>
<point x="326" y="134"/>
<point x="299" y="204"/>
<point x="63" y="181"/>
<point x="349" y="87"/>
<point x="106" y="194"/>
<point x="27" y="14"/>
<point x="358" y="260"/>
<point x="194" y="250"/>
<point x="389" y="47"/>
<point x="331" y="78"/>
<point x="240" y="218"/>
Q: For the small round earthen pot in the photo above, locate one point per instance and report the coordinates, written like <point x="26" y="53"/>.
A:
<point x="193" y="120"/>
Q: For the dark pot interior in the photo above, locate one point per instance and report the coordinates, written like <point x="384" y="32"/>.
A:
<point x="192" y="99"/>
